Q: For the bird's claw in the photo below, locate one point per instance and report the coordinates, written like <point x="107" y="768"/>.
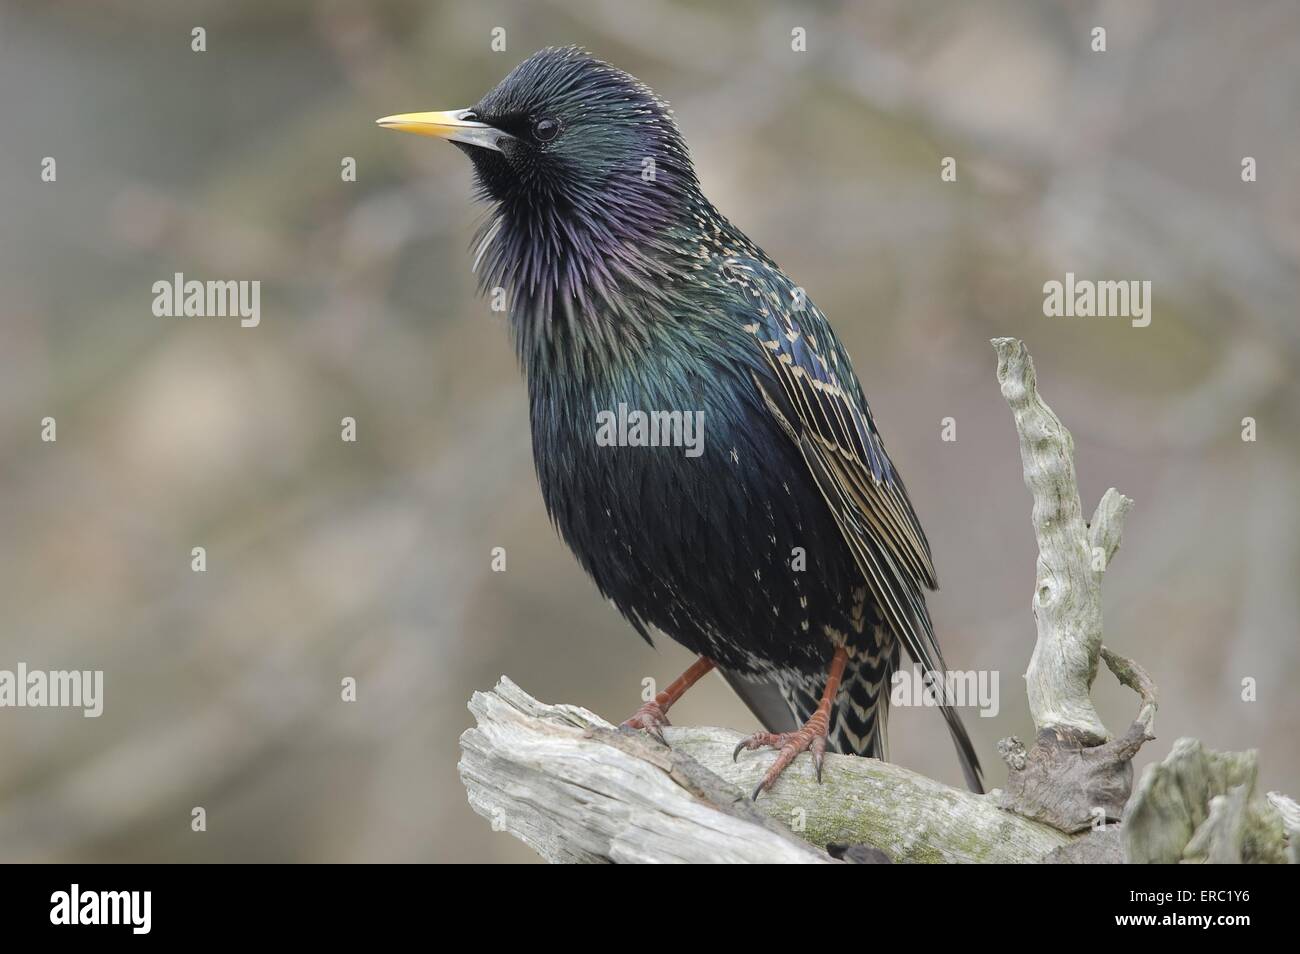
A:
<point x="818" y="749"/>
<point x="811" y="737"/>
<point x="757" y="741"/>
<point x="649" y="718"/>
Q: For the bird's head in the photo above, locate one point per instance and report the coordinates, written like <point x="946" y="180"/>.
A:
<point x="586" y="168"/>
<point x="565" y="130"/>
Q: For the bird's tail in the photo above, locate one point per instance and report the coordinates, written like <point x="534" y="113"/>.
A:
<point x="970" y="763"/>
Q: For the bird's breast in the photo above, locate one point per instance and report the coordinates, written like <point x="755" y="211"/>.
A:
<point x="689" y="507"/>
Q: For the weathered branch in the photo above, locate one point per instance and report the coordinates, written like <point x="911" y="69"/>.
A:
<point x="1199" y="805"/>
<point x="1067" y="593"/>
<point x="567" y="783"/>
<point x="1133" y="676"/>
<point x="1289" y="811"/>
<point x="1075" y="776"/>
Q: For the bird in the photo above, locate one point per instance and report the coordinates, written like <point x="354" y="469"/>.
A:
<point x="781" y="546"/>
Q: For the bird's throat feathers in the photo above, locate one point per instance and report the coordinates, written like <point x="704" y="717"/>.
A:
<point x="581" y="279"/>
<point x="591" y="224"/>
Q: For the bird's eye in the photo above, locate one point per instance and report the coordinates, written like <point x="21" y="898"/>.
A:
<point x="545" y="129"/>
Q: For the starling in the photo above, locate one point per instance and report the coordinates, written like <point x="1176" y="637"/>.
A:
<point x="781" y="547"/>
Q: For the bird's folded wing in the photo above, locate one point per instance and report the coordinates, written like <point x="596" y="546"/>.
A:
<point x="811" y="390"/>
<point x="818" y="397"/>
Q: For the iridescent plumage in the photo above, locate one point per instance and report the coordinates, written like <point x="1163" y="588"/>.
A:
<point x="626" y="286"/>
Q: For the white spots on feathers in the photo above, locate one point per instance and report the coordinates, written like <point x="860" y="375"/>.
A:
<point x="858" y="612"/>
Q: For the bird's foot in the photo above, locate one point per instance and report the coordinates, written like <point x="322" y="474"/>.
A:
<point x="653" y="716"/>
<point x="650" y="718"/>
<point x="812" y="738"/>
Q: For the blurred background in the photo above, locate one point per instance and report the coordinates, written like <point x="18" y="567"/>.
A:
<point x="328" y="559"/>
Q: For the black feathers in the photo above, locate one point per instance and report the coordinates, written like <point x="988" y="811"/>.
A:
<point x="791" y="532"/>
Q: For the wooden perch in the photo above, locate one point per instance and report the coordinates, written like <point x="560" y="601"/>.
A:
<point x="567" y="783"/>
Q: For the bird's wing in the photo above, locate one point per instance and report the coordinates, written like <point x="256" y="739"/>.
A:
<point x="807" y="384"/>
<point x="819" y="396"/>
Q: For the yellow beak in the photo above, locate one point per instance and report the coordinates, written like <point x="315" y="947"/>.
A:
<point x="451" y="125"/>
